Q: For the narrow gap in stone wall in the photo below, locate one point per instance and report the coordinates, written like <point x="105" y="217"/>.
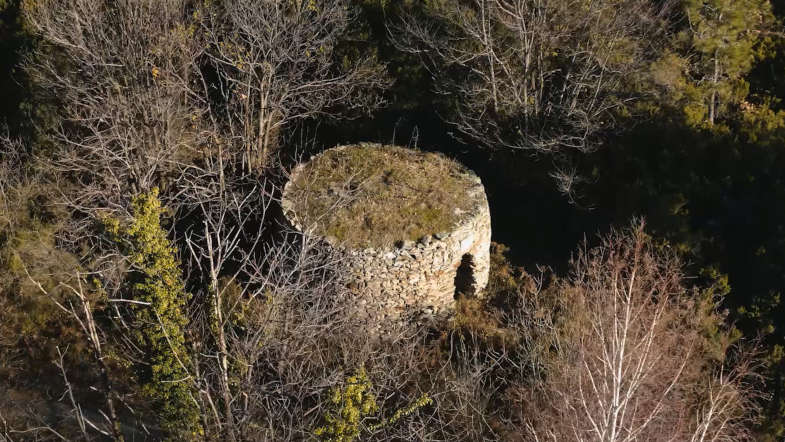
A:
<point x="464" y="277"/>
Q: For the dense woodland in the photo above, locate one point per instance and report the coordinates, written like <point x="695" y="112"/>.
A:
<point x="631" y="151"/>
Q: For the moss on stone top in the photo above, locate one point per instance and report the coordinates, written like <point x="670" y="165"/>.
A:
<point x="371" y="195"/>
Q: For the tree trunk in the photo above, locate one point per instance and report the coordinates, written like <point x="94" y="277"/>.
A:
<point x="715" y="80"/>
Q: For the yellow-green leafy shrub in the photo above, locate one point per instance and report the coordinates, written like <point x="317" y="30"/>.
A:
<point x="155" y="280"/>
<point x="353" y="402"/>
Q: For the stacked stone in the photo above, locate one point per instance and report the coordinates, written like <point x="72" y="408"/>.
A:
<point x="418" y="277"/>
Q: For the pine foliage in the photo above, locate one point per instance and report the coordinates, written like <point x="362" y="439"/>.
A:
<point x="157" y="289"/>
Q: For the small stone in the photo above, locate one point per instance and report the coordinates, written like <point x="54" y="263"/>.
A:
<point x="441" y="235"/>
<point x="405" y="244"/>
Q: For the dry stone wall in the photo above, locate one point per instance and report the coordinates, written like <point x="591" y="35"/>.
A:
<point x="420" y="277"/>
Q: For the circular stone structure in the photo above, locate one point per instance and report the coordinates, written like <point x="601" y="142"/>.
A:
<point x="412" y="228"/>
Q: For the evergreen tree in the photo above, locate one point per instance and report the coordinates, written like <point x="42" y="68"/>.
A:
<point x="155" y="282"/>
<point x="724" y="39"/>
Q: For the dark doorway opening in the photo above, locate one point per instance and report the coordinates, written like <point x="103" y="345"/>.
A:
<point x="464" y="277"/>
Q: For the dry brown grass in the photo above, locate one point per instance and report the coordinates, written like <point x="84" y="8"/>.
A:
<point x="371" y="195"/>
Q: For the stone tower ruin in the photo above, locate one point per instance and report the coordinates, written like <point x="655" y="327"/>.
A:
<point x="413" y="229"/>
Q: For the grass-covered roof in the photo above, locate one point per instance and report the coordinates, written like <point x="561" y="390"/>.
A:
<point x="371" y="195"/>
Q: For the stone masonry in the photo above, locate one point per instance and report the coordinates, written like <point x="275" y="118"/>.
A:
<point x="424" y="276"/>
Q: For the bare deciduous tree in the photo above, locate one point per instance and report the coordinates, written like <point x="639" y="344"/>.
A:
<point x="81" y="309"/>
<point x="730" y="403"/>
<point x="115" y="69"/>
<point x="146" y="88"/>
<point x="541" y="75"/>
<point x="632" y="362"/>
<point x="279" y="61"/>
<point x="221" y="251"/>
<point x="263" y="361"/>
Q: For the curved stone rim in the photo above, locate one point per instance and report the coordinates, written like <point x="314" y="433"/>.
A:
<point x="475" y="191"/>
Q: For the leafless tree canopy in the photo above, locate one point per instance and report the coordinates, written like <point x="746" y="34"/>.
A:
<point x="145" y="88"/>
<point x="542" y="75"/>
<point x="115" y="70"/>
<point x="632" y="361"/>
<point x="280" y="61"/>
